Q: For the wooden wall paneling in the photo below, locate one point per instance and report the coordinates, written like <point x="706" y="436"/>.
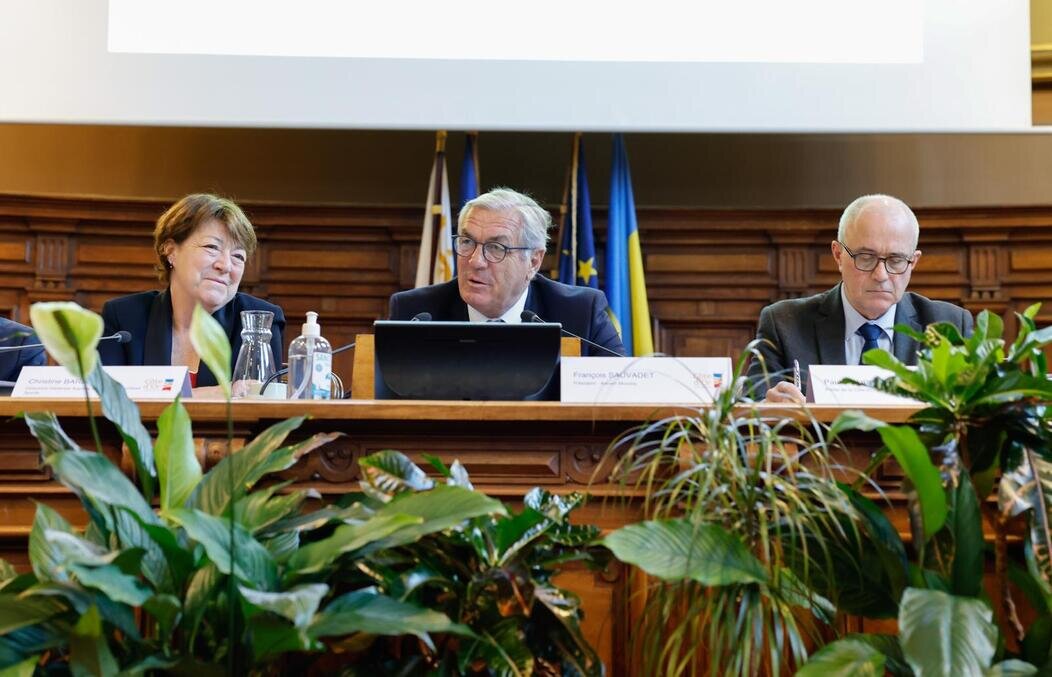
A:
<point x="709" y="272"/>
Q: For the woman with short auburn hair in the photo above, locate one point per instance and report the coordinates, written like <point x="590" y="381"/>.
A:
<point x="203" y="243"/>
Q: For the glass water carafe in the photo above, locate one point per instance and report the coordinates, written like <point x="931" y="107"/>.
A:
<point x="255" y="361"/>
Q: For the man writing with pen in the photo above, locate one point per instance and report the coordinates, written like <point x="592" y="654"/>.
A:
<point x="876" y="253"/>
<point x="500" y="243"/>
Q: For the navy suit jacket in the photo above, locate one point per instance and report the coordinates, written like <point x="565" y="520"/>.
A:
<point x="811" y="331"/>
<point x="580" y="310"/>
<point x="15" y="334"/>
<point x="148" y="317"/>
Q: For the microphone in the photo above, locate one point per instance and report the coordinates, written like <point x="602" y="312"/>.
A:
<point x="530" y="316"/>
<point x="120" y="337"/>
<point x="421" y="317"/>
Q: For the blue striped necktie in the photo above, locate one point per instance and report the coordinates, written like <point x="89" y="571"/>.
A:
<point x="869" y="333"/>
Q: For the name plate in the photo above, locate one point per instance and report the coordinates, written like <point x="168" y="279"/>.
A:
<point x="141" y="383"/>
<point x="643" y="380"/>
<point x="826" y="386"/>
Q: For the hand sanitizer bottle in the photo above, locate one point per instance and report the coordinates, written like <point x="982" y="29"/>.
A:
<point x="310" y="363"/>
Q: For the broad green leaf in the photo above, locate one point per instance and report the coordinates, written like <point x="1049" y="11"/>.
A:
<point x="89" y="654"/>
<point x="43" y="556"/>
<point x="165" y="609"/>
<point x="912" y="455"/>
<point x="198" y="593"/>
<point x="212" y="346"/>
<point x="21" y="611"/>
<point x="853" y="419"/>
<point x="72" y="549"/>
<point x="676" y="550"/>
<point x="69" y="333"/>
<point x="441" y="508"/>
<point x="23" y="669"/>
<point x="967" y="525"/>
<point x="315" y="556"/>
<point x="946" y="636"/>
<point x="565" y="608"/>
<point x="45" y="427"/>
<point x="1028" y="488"/>
<point x="244" y="467"/>
<point x="272" y="637"/>
<point x="119" y="409"/>
<point x="844" y="658"/>
<point x="113" y="583"/>
<point x="252" y="563"/>
<point x="93" y="477"/>
<point x="503" y="649"/>
<point x="261" y="508"/>
<point x="375" y="614"/>
<point x="881" y="358"/>
<point x="297" y="605"/>
<point x="165" y="563"/>
<point x="282" y="546"/>
<point x="1011" y="668"/>
<point x="7" y="571"/>
<point x="178" y="470"/>
<point x="391" y="472"/>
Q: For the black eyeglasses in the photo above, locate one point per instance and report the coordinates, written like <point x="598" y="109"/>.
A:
<point x="896" y="264"/>
<point x="494" y="252"/>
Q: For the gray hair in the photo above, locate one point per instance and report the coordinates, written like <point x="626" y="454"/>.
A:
<point x="852" y="211"/>
<point x="535" y="219"/>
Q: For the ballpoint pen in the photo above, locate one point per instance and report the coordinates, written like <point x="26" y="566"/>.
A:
<point x="796" y="374"/>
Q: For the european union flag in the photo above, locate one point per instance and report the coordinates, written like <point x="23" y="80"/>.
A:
<point x="626" y="288"/>
<point x="577" y="244"/>
<point x="469" y="169"/>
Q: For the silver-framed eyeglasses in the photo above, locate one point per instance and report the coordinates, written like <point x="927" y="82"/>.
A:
<point x="896" y="264"/>
<point x="494" y="252"/>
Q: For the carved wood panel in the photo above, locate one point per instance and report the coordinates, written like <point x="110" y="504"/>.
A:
<point x="709" y="272"/>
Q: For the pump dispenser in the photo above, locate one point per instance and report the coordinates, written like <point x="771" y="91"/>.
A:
<point x="310" y="363"/>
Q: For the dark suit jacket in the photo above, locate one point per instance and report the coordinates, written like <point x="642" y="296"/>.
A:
<point x="580" y="310"/>
<point x="811" y="330"/>
<point x="15" y="334"/>
<point x="148" y="317"/>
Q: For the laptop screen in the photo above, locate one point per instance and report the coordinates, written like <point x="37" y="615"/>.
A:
<point x="466" y="360"/>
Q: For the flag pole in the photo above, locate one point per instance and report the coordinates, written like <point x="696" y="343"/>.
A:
<point x="436" y="208"/>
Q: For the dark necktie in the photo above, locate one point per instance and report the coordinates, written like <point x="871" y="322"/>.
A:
<point x="501" y="320"/>
<point x="869" y="333"/>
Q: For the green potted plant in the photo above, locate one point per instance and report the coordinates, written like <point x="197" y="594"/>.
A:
<point x="731" y="498"/>
<point x="985" y="431"/>
<point x="227" y="574"/>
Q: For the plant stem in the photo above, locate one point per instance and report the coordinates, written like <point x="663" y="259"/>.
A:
<point x="232" y="656"/>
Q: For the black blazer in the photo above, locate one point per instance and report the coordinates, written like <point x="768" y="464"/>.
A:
<point x="581" y="310"/>
<point x="811" y="330"/>
<point x="15" y="334"/>
<point x="148" y="317"/>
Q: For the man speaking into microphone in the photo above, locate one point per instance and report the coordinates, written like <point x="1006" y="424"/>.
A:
<point x="500" y="242"/>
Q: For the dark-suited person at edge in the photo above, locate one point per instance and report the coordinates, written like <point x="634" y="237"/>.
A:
<point x="13" y="334"/>
<point x="500" y="243"/>
<point x="876" y="253"/>
<point x="202" y="244"/>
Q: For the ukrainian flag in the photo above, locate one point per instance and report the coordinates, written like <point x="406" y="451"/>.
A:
<point x="626" y="288"/>
<point x="577" y="243"/>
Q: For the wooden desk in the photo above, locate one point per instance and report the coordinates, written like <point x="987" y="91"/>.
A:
<point x="507" y="447"/>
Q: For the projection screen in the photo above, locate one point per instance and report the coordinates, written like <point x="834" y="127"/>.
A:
<point x="585" y="65"/>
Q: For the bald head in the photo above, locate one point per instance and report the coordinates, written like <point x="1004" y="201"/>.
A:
<point x="886" y="208"/>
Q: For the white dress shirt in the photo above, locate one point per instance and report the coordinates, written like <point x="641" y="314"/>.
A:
<point x="512" y="316"/>
<point x="853" y="320"/>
